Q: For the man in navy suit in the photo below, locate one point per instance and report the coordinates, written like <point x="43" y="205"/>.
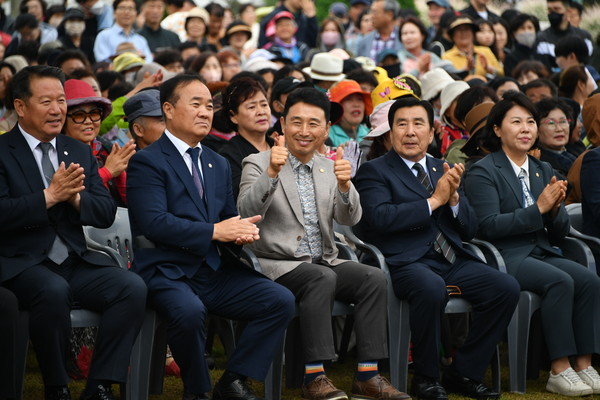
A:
<point x="181" y="200"/>
<point x="415" y="212"/>
<point x="49" y="188"/>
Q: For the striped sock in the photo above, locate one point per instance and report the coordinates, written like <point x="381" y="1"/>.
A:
<point x="366" y="370"/>
<point x="311" y="371"/>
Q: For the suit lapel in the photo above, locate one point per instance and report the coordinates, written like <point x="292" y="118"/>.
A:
<point x="536" y="179"/>
<point x="436" y="170"/>
<point x="175" y="159"/>
<point x="63" y="151"/>
<point x="291" y="191"/>
<point x="26" y="160"/>
<point x="501" y="161"/>
<point x="408" y="179"/>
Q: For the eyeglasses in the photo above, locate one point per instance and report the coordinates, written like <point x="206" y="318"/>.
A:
<point x="232" y="65"/>
<point x="125" y="8"/>
<point x="79" y="117"/>
<point x="552" y="123"/>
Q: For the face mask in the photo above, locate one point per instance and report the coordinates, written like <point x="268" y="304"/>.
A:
<point x="211" y="76"/>
<point x="74" y="28"/>
<point x="555" y="19"/>
<point x="97" y="8"/>
<point x="130" y="77"/>
<point x="527" y="39"/>
<point x="330" y="38"/>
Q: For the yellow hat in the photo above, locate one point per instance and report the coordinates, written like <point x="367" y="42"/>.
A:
<point x="390" y="89"/>
<point x="127" y="61"/>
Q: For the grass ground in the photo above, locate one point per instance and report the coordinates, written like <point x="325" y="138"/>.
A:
<point x="340" y="373"/>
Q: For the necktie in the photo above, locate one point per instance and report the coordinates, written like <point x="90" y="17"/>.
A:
<point x="212" y="256"/>
<point x="441" y="245"/>
<point x="527" y="196"/>
<point x="195" y="154"/>
<point x="59" y="251"/>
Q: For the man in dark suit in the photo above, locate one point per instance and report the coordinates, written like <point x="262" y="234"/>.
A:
<point x="416" y="214"/>
<point x="43" y="259"/>
<point x="181" y="199"/>
<point x="478" y="9"/>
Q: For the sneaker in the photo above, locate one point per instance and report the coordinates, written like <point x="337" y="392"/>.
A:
<point x="591" y="378"/>
<point x="322" y="389"/>
<point x="376" y="388"/>
<point x="568" y="383"/>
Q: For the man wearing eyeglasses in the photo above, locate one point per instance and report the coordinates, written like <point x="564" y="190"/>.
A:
<point x="122" y="31"/>
<point x="49" y="188"/>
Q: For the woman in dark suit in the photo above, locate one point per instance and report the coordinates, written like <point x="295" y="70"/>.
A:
<point x="519" y="206"/>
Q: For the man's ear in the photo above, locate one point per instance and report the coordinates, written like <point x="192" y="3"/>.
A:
<point x="19" y="106"/>
<point x="168" y="110"/>
<point x="138" y="130"/>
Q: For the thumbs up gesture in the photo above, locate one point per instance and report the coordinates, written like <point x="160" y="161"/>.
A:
<point x="279" y="156"/>
<point x="342" y="170"/>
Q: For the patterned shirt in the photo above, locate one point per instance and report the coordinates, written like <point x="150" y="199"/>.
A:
<point x="312" y="242"/>
<point x="380" y="44"/>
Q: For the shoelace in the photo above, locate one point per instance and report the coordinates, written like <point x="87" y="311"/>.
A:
<point x="592" y="373"/>
<point x="570" y="375"/>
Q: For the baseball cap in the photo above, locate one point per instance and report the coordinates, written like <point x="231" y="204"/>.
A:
<point x="143" y="104"/>
<point x="441" y="3"/>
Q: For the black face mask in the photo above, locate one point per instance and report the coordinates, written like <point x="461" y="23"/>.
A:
<point x="555" y="19"/>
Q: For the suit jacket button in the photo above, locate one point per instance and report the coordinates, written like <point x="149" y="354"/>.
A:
<point x="299" y="238"/>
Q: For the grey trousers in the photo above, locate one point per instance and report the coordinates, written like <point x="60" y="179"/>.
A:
<point x="317" y="286"/>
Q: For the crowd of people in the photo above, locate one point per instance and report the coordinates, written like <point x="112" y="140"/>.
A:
<point x="218" y="129"/>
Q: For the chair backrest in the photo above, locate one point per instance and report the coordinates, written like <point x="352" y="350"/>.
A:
<point x="575" y="216"/>
<point x="117" y="236"/>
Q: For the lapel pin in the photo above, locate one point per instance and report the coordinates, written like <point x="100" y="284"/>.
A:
<point x="66" y="153"/>
<point x="434" y="170"/>
<point x="321" y="170"/>
<point x="209" y="165"/>
<point x="537" y="174"/>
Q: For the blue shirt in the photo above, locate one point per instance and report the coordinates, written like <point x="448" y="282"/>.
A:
<point x="337" y="135"/>
<point x="108" y="40"/>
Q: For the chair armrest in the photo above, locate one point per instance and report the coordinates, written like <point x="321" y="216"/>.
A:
<point x="346" y="252"/>
<point x="591" y="241"/>
<point x="109" y="251"/>
<point x="248" y="256"/>
<point x="578" y="251"/>
<point x="475" y="250"/>
<point x="491" y="253"/>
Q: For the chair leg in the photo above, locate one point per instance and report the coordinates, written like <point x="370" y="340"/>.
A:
<point x="399" y="368"/>
<point x="157" y="366"/>
<point x="275" y="374"/>
<point x="345" y="340"/>
<point x="141" y="358"/>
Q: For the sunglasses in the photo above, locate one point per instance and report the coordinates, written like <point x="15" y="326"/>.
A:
<point x="79" y="117"/>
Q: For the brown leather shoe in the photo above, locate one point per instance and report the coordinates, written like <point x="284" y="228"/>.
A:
<point x="322" y="389"/>
<point x="376" y="388"/>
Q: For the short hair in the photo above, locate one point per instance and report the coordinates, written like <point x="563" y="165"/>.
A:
<point x="117" y="2"/>
<point x="287" y="70"/>
<point x="253" y="75"/>
<point x="566" y="3"/>
<point x="29" y="49"/>
<point x="471" y="98"/>
<point x="215" y="10"/>
<point x="360" y="17"/>
<point x="167" y="57"/>
<point x="187" y="45"/>
<point x="498" y="113"/>
<point x="420" y="26"/>
<point x="237" y="92"/>
<point x="81" y="73"/>
<point x="545" y="106"/>
<point x="176" y="3"/>
<point x="410" y="101"/>
<point x="541" y="82"/>
<point x="23" y="6"/>
<point x="108" y="78"/>
<point x="572" y="44"/>
<point x="361" y="75"/>
<point x="244" y="6"/>
<point x="530" y="66"/>
<point x="54" y="9"/>
<point x="199" y="61"/>
<point x="70" y="54"/>
<point x="391" y="6"/>
<point x="496" y="83"/>
<point x="26" y="21"/>
<point x="168" y="88"/>
<point x="577" y="6"/>
<point x="20" y="84"/>
<point x="310" y="96"/>
<point x="520" y="19"/>
<point x="568" y="79"/>
<point x="225" y="55"/>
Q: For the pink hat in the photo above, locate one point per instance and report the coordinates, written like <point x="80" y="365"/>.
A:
<point x="270" y="29"/>
<point x="79" y="92"/>
<point x="379" y="119"/>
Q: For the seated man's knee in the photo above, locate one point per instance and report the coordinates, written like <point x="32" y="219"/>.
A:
<point x="188" y="317"/>
<point x="324" y="279"/>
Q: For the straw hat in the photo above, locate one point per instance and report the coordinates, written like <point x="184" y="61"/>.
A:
<point x="475" y="121"/>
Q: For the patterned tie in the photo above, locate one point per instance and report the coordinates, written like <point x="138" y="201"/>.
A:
<point x="441" y="245"/>
<point x="59" y="251"/>
<point x="527" y="196"/>
<point x="196" y="175"/>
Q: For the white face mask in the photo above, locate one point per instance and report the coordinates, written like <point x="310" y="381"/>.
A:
<point x="74" y="28"/>
<point x="97" y="8"/>
<point x="130" y="77"/>
<point x="527" y="39"/>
